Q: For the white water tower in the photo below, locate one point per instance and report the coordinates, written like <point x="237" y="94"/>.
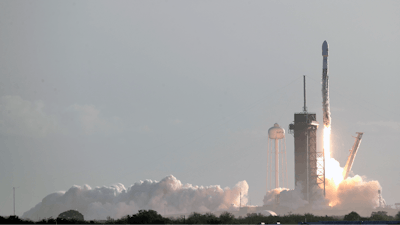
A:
<point x="276" y="135"/>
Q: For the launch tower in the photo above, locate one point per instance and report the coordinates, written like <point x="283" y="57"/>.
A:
<point x="309" y="163"/>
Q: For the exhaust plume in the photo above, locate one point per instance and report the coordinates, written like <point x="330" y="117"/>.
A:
<point x="354" y="193"/>
<point x="168" y="195"/>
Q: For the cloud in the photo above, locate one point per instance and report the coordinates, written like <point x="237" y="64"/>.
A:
<point x="145" y="129"/>
<point x="176" y="121"/>
<point x="25" y="118"/>
<point x="116" y="201"/>
<point x="91" y="121"/>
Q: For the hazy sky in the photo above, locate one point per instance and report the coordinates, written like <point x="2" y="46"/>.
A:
<point x="105" y="92"/>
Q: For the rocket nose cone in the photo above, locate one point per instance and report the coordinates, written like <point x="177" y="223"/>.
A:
<point x="325" y="47"/>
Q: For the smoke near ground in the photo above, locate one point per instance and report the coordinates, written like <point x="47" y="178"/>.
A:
<point x="353" y="193"/>
<point x="168" y="195"/>
<point x="293" y="199"/>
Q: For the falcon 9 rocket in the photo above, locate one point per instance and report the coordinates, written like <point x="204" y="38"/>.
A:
<point x="325" y="86"/>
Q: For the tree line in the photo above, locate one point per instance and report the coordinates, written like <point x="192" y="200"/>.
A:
<point x="152" y="217"/>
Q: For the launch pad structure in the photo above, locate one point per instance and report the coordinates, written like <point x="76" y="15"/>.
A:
<point x="309" y="162"/>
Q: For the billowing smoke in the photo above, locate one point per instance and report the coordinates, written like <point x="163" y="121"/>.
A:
<point x="168" y="195"/>
<point x="292" y="199"/>
<point x="353" y="193"/>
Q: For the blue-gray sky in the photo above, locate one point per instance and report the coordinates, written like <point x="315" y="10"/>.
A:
<point x="104" y="92"/>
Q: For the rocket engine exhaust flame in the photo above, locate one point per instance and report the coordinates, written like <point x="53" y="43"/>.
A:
<point x="333" y="171"/>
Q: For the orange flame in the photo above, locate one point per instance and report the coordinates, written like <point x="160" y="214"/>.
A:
<point x="333" y="171"/>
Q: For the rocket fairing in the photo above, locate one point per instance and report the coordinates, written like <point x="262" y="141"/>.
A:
<point x="325" y="86"/>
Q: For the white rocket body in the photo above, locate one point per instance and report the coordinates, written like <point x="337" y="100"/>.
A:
<point x="325" y="86"/>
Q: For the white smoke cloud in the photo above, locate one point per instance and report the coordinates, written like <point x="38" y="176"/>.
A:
<point x="168" y="195"/>
<point x="354" y="192"/>
<point x="351" y="194"/>
<point x="292" y="199"/>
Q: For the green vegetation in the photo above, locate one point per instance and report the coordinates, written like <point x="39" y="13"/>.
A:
<point x="353" y="216"/>
<point x="71" y="215"/>
<point x="152" y="217"/>
<point x="380" y="216"/>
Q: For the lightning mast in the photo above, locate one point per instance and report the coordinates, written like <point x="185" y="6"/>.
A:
<point x="14" y="197"/>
